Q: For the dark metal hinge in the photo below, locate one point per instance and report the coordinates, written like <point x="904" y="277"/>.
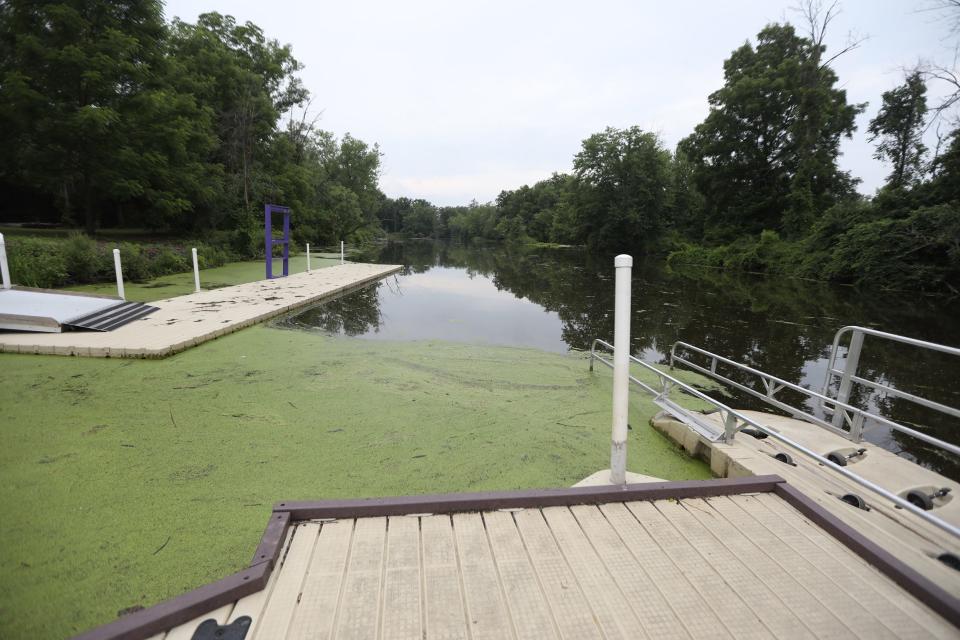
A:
<point x="210" y="630"/>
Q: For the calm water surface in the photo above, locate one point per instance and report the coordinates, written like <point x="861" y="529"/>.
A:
<point x="558" y="300"/>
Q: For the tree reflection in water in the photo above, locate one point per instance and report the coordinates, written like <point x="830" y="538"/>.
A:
<point x="784" y="327"/>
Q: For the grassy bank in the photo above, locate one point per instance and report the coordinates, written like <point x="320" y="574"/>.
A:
<point x="129" y="481"/>
<point x="180" y="284"/>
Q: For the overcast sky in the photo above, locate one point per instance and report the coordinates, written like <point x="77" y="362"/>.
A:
<point x="469" y="98"/>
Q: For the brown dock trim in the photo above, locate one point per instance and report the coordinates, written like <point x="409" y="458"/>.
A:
<point x="677" y="559"/>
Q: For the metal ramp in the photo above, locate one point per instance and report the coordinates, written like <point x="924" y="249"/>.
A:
<point x="110" y="318"/>
<point x="54" y="311"/>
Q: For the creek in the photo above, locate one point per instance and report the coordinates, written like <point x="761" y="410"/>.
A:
<point x="561" y="299"/>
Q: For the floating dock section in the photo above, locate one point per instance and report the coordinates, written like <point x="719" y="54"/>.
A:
<point x="186" y="321"/>
<point x="49" y="311"/>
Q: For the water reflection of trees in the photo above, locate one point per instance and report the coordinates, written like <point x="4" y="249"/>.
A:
<point x="352" y="314"/>
<point x="780" y="326"/>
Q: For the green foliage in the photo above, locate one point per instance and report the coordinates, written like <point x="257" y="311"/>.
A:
<point x="899" y="127"/>
<point x="109" y="116"/>
<point x="420" y="220"/>
<point x="621" y="194"/>
<point x="920" y="252"/>
<point x="84" y="260"/>
<point x="34" y="262"/>
<point x="78" y="259"/>
<point x="765" y="157"/>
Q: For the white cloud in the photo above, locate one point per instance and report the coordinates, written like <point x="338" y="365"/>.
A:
<point x="470" y="98"/>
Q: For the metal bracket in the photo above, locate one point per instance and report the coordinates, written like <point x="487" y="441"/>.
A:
<point x="210" y="630"/>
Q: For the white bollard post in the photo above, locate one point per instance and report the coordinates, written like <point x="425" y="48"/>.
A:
<point x="341" y="252"/>
<point x="196" y="271"/>
<point x="116" y="267"/>
<point x="4" y="268"/>
<point x="621" y="369"/>
<point x="308" y="257"/>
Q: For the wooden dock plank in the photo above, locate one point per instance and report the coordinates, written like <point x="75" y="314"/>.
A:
<point x="613" y="612"/>
<point x="787" y="608"/>
<point x="402" y="608"/>
<point x="877" y="593"/>
<point x="278" y="611"/>
<point x="316" y="610"/>
<point x="443" y="597"/>
<point x="486" y="613"/>
<point x="692" y="609"/>
<point x="733" y="612"/>
<point x="358" y="616"/>
<point x="572" y="612"/>
<point x="806" y="570"/>
<point x="526" y="602"/>
<point x="642" y="595"/>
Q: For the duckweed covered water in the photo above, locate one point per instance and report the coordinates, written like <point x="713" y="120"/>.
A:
<point x="132" y="481"/>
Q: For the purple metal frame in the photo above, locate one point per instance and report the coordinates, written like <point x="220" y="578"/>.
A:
<point x="269" y="240"/>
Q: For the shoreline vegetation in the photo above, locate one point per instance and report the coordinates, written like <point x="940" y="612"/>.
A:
<point x="755" y="187"/>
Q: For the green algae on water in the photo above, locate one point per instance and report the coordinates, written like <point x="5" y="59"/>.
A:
<point x="126" y="482"/>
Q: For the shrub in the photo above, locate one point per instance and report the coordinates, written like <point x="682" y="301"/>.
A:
<point x="84" y="259"/>
<point x="36" y="262"/>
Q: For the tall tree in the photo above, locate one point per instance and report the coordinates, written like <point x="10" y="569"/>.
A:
<point x="621" y="194"/>
<point x="765" y="157"/>
<point x="899" y="128"/>
<point x="87" y="118"/>
<point x="248" y="81"/>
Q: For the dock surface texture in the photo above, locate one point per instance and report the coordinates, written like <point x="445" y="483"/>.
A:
<point x="913" y="541"/>
<point x="186" y="321"/>
<point x="740" y="566"/>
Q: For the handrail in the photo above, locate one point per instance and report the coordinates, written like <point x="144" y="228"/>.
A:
<point x="852" y="416"/>
<point x="730" y="416"/>
<point x="848" y="376"/>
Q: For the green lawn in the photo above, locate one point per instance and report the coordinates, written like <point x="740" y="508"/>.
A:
<point x="182" y="283"/>
<point x="126" y="482"/>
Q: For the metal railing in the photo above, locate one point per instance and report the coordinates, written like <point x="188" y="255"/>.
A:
<point x="848" y="376"/>
<point x="731" y="417"/>
<point x="845" y="414"/>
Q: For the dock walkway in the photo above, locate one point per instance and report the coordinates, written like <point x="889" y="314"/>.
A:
<point x="747" y="558"/>
<point x="916" y="543"/>
<point x="186" y="321"/>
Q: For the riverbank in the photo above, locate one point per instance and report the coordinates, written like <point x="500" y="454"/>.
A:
<point x="148" y="478"/>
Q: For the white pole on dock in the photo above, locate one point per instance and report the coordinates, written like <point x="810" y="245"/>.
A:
<point x="4" y="268"/>
<point x="341" y="252"/>
<point x="308" y="257"/>
<point x="196" y="271"/>
<point x="119" y="270"/>
<point x="621" y="369"/>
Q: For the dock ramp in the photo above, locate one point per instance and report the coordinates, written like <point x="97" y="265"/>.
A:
<point x="46" y="311"/>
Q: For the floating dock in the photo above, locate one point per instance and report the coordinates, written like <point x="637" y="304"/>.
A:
<point x="745" y="558"/>
<point x="924" y="547"/>
<point x="186" y="321"/>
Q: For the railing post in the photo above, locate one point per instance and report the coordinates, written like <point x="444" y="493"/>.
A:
<point x="308" y="257"/>
<point x="729" y="427"/>
<point x="119" y="272"/>
<point x="4" y="268"/>
<point x="196" y="272"/>
<point x="341" y="252"/>
<point x="621" y="369"/>
<point x="849" y="370"/>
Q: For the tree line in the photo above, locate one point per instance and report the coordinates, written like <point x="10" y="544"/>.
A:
<point x="756" y="185"/>
<point x="112" y="116"/>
